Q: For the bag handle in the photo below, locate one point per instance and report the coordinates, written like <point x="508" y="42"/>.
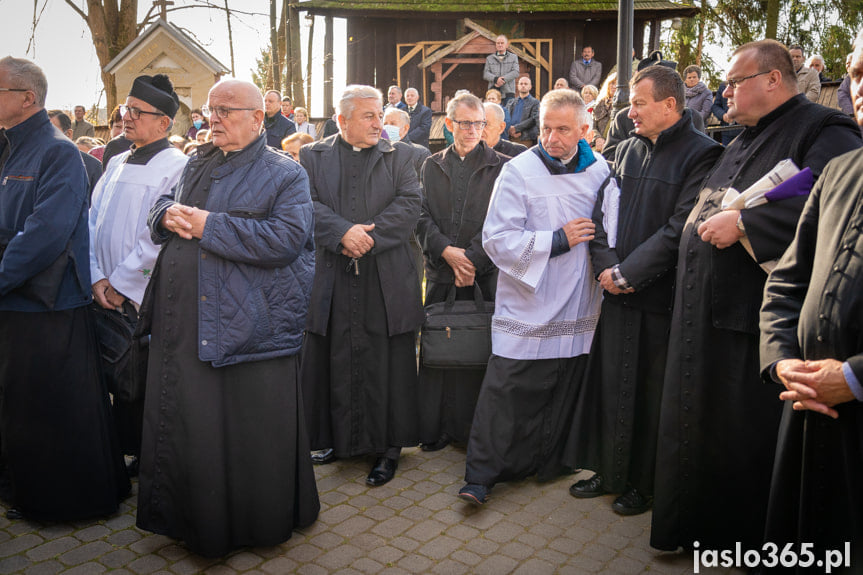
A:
<point x="478" y="297"/>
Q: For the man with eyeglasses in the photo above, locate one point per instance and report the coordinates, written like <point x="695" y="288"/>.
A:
<point x="359" y="355"/>
<point x="718" y="421"/>
<point x="122" y="254"/>
<point x="59" y="445"/>
<point x="224" y="461"/>
<point x="546" y="305"/>
<point x="457" y="184"/>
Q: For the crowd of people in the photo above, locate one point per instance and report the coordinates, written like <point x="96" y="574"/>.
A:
<point x="274" y="285"/>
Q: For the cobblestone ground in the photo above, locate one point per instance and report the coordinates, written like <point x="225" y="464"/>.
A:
<point x="414" y="524"/>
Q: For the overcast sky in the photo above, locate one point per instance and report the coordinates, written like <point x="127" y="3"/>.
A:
<point x="64" y="48"/>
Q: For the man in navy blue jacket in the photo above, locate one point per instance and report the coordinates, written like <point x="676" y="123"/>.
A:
<point x="53" y="408"/>
<point x="277" y="125"/>
<point x="421" y="118"/>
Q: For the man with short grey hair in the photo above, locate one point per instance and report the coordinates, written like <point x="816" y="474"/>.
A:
<point x="394" y="98"/>
<point x="81" y="127"/>
<point x="457" y="184"/>
<point x="495" y="124"/>
<point x="547" y="302"/>
<point x="359" y="355"/>
<point x="421" y="118"/>
<point x="55" y="414"/>
<point x="501" y="69"/>
<point x="224" y="460"/>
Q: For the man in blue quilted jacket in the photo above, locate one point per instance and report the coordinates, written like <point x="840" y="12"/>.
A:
<point x="224" y="459"/>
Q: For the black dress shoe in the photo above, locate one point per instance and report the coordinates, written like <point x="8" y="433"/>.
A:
<point x="383" y="471"/>
<point x="437" y="445"/>
<point x="633" y="502"/>
<point x="14" y="514"/>
<point x="587" y="488"/>
<point x="323" y="456"/>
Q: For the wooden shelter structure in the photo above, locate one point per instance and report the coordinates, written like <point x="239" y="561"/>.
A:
<point x="376" y="29"/>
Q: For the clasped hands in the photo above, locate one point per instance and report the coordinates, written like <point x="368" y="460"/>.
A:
<point x="814" y="385"/>
<point x="462" y="267"/>
<point x="721" y="229"/>
<point x="186" y="221"/>
<point x="357" y="242"/>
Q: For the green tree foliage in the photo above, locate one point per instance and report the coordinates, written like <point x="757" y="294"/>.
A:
<point x="825" y="27"/>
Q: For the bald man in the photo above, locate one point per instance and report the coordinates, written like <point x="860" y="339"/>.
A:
<point x="224" y="460"/>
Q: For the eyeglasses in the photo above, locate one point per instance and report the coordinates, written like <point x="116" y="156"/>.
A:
<point x="221" y="112"/>
<point x="466" y="125"/>
<point x="135" y="113"/>
<point x="734" y="83"/>
<point x="14" y="89"/>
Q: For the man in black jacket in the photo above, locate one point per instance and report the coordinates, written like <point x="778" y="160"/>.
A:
<point x="718" y="423"/>
<point x="277" y="125"/>
<point x="495" y="124"/>
<point x="659" y="172"/>
<point x="457" y="185"/>
<point x="359" y="355"/>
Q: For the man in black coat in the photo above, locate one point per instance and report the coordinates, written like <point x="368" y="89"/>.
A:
<point x="457" y="184"/>
<point x="812" y="342"/>
<point x="359" y="356"/>
<point x="718" y="423"/>
<point x="659" y="172"/>
<point x="421" y="118"/>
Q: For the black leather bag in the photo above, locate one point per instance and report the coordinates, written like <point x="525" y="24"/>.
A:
<point x="123" y="355"/>
<point x="457" y="334"/>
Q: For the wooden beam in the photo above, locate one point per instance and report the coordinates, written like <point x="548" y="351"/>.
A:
<point x="454" y="46"/>
<point x="448" y="72"/>
<point x="402" y="60"/>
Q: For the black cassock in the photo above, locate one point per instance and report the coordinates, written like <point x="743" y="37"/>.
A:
<point x="359" y="380"/>
<point x="224" y="459"/>
<point x="718" y="421"/>
<point x="812" y="311"/>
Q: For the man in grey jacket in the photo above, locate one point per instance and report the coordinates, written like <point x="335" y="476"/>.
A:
<point x="501" y="69"/>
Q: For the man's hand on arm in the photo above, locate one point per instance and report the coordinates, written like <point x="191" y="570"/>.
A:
<point x="721" y="229"/>
<point x="814" y="385"/>
<point x="357" y="242"/>
<point x="606" y="280"/>
<point x="462" y="267"/>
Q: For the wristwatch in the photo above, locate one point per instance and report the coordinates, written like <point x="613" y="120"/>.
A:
<point x="740" y="224"/>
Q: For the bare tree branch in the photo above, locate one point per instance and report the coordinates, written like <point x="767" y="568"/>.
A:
<point x="76" y="9"/>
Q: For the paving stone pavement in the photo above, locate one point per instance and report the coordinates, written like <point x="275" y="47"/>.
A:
<point x="414" y="524"/>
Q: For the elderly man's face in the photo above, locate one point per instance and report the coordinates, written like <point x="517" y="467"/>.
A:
<point x="11" y="103"/>
<point x="493" y="129"/>
<point x="560" y="131"/>
<point x="745" y="101"/>
<point x="238" y="128"/>
<point x="148" y="127"/>
<point x="587" y="53"/>
<point x="500" y="44"/>
<point x="796" y="58"/>
<point x="395" y="119"/>
<point x="855" y="72"/>
<point x="363" y="128"/>
<point x="561" y="84"/>
<point x="412" y="97"/>
<point x="394" y="96"/>
<point x="817" y="65"/>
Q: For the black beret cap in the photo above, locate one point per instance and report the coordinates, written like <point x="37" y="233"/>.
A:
<point x="158" y="91"/>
